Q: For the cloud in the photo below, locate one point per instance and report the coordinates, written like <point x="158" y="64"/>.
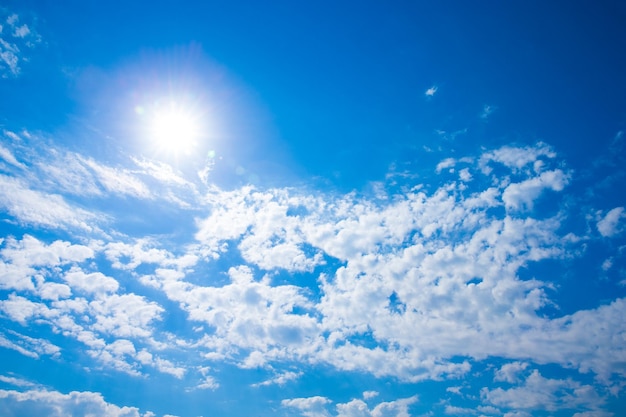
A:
<point x="445" y="164"/>
<point x="17" y="382"/>
<point x="510" y="372"/>
<point x="317" y="407"/>
<point x="46" y="275"/>
<point x="521" y="196"/>
<point x="539" y="393"/>
<point x="8" y="156"/>
<point x="309" y="407"/>
<point x="370" y="394"/>
<point x="280" y="379"/>
<point x="95" y="282"/>
<point x="29" y="346"/>
<point x="19" y="259"/>
<point x="118" y="181"/>
<point x="21" y="31"/>
<point x="609" y="225"/>
<point x="57" y="404"/>
<point x="32" y="207"/>
<point x="516" y="158"/>
<point x="285" y="276"/>
<point x="487" y="111"/>
<point x="431" y="91"/>
<point x="15" y="43"/>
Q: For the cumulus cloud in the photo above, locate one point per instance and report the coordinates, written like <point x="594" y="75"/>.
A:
<point x="510" y="372"/>
<point x="318" y="406"/>
<point x="57" y="404"/>
<point x="520" y="196"/>
<point x="516" y="158"/>
<point x="336" y="280"/>
<point x="540" y="393"/>
<point x="309" y="407"/>
<point x="609" y="225"/>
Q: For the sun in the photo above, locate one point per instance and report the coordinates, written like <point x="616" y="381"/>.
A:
<point x="174" y="128"/>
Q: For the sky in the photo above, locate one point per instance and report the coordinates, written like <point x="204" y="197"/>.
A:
<point x="318" y="209"/>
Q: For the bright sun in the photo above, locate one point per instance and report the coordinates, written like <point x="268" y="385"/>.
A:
<point x="174" y="129"/>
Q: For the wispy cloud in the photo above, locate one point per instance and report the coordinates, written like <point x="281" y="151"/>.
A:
<point x="280" y="379"/>
<point x="431" y="91"/>
<point x="487" y="111"/>
<point x="37" y="208"/>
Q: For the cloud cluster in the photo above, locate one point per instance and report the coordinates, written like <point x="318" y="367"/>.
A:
<point x="420" y="285"/>
<point x="56" y="404"/>
<point x="318" y="407"/>
<point x="16" y="38"/>
<point x="48" y="284"/>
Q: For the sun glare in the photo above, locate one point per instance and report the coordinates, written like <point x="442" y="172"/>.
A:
<point x="174" y="129"/>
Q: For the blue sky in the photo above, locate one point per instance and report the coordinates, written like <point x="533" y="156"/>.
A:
<point x="344" y="209"/>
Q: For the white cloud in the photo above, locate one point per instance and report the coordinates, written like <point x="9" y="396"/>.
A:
<point x="465" y="175"/>
<point x="19" y="259"/>
<point x="370" y="394"/>
<point x="280" y="379"/>
<point x="317" y="407"/>
<point x="208" y="382"/>
<point x="8" y="156"/>
<point x="95" y="282"/>
<point x="117" y="180"/>
<point x="21" y="31"/>
<point x="53" y="291"/>
<point x="162" y="172"/>
<point x="459" y="411"/>
<point x="168" y="367"/>
<point x="9" y="58"/>
<point x="126" y="315"/>
<point x="14" y="45"/>
<point x="309" y="407"/>
<point x="609" y="225"/>
<point x="68" y="173"/>
<point x="431" y="91"/>
<point x="12" y="19"/>
<point x="56" y="404"/>
<point x="516" y="158"/>
<point x="445" y="164"/>
<point x="539" y="393"/>
<point x="510" y="372"/>
<point x="521" y="196"/>
<point x="443" y="263"/>
<point x="18" y="382"/>
<point x="37" y="208"/>
<point x="29" y="346"/>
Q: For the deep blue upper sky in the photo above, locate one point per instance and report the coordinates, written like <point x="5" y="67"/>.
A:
<point x="312" y="208"/>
